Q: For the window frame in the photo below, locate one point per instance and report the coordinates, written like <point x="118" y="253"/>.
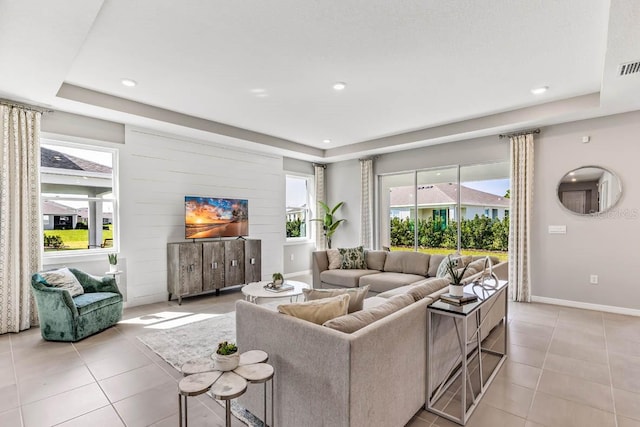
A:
<point x="309" y="211"/>
<point x="89" y="145"/>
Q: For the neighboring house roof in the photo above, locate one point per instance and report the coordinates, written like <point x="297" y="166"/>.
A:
<point x="445" y="194"/>
<point x="54" y="159"/>
<point x="53" y="208"/>
<point x="84" y="213"/>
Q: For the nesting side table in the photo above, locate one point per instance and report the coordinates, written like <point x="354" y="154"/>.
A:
<point x="201" y="376"/>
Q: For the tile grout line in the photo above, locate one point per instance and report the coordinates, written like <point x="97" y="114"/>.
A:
<point x="15" y="378"/>
<point x="613" y="396"/>
<point x="544" y="361"/>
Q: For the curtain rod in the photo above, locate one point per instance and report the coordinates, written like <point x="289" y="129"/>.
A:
<point x="523" y="132"/>
<point x="25" y="106"/>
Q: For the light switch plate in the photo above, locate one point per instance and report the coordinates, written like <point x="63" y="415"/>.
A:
<point x="557" y="229"/>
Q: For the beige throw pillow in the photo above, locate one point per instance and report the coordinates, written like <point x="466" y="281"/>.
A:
<point x="356" y="296"/>
<point x="63" y="278"/>
<point x="335" y="259"/>
<point x="318" y="311"/>
<point x="358" y="320"/>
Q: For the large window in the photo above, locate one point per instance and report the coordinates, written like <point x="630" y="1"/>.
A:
<point x="298" y="202"/>
<point x="78" y="197"/>
<point x="443" y="209"/>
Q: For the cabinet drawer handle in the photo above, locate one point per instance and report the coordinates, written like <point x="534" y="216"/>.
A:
<point x="234" y="263"/>
<point x="253" y="261"/>
<point x="214" y="265"/>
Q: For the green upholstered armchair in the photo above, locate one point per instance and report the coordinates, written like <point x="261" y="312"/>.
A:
<point x="66" y="318"/>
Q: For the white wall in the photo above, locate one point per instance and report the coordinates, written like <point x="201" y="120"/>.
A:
<point x="608" y="245"/>
<point x="157" y="171"/>
<point x="343" y="185"/>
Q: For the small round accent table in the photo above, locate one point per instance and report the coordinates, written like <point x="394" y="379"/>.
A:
<point x="254" y="291"/>
<point x="200" y="377"/>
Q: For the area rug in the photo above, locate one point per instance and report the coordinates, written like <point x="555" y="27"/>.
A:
<point x="199" y="339"/>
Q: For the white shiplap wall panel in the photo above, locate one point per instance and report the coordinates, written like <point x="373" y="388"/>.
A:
<point x="158" y="170"/>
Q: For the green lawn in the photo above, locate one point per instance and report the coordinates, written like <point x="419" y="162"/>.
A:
<point x="442" y="251"/>
<point x="76" y="239"/>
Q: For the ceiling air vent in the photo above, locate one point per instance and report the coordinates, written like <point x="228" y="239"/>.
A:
<point x="629" y="68"/>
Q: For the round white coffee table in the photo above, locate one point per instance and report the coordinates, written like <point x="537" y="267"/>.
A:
<point x="253" y="291"/>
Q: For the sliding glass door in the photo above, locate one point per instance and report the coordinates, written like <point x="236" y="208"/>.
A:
<point x="438" y="210"/>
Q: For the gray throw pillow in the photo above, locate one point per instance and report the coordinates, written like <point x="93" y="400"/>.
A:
<point x="356" y="296"/>
<point x="63" y="278"/>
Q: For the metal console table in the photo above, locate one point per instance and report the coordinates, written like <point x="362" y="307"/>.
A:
<point x="467" y="375"/>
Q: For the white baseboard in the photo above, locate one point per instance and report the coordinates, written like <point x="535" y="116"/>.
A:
<point x="297" y="273"/>
<point x="587" y="306"/>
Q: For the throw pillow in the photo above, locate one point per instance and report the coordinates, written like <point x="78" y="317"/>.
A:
<point x="353" y="322"/>
<point x="318" y="311"/>
<point x="356" y="296"/>
<point x="63" y="278"/>
<point x="353" y="258"/>
<point x="335" y="259"/>
<point x="461" y="261"/>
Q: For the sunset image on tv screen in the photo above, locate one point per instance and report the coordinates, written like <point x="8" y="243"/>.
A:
<point x="207" y="217"/>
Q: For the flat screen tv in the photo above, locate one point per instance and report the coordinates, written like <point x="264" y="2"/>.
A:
<point x="207" y="217"/>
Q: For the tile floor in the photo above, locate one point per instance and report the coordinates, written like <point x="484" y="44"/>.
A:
<point x="566" y="367"/>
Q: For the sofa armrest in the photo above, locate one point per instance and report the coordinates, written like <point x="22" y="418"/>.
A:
<point x="92" y="283"/>
<point x="319" y="263"/>
<point x="51" y="299"/>
<point x="311" y="362"/>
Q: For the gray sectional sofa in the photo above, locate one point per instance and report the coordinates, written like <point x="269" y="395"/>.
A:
<point x="385" y="270"/>
<point x="375" y="375"/>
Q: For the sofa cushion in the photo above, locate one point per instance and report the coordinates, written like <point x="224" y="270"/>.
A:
<point x="344" y="278"/>
<point x="318" y="311"/>
<point x="375" y="259"/>
<point x="384" y="281"/>
<point x="62" y="278"/>
<point x="352" y="322"/>
<point x="478" y="264"/>
<point x="434" y="264"/>
<point x="407" y="262"/>
<point x="334" y="258"/>
<point x="427" y="287"/>
<point x="373" y="302"/>
<point x="353" y="258"/>
<point x="356" y="296"/>
<point x="418" y="290"/>
<point x="86" y="303"/>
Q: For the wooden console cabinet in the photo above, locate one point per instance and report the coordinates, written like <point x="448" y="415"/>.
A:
<point x="198" y="267"/>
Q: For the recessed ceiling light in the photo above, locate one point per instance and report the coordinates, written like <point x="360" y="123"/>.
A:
<point x="574" y="179"/>
<point x="257" y="90"/>
<point x="129" y="82"/>
<point x="326" y="141"/>
<point x="339" y="85"/>
<point x="539" y="90"/>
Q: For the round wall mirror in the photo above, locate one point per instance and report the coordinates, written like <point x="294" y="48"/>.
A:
<point x="589" y="190"/>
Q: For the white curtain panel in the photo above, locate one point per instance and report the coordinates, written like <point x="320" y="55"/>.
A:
<point x="366" y="203"/>
<point x="520" y="217"/>
<point x="319" y="182"/>
<point x="20" y="219"/>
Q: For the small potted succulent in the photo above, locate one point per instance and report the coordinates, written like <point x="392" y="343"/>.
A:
<point x="113" y="263"/>
<point x="278" y="280"/>
<point x="456" y="288"/>
<point x="226" y="357"/>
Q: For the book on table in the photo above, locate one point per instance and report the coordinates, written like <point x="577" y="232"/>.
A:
<point x="285" y="287"/>
<point x="464" y="299"/>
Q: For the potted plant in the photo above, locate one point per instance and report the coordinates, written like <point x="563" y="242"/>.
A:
<point x="456" y="288"/>
<point x="278" y="280"/>
<point x="113" y="262"/>
<point x="226" y="357"/>
<point x="329" y="223"/>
